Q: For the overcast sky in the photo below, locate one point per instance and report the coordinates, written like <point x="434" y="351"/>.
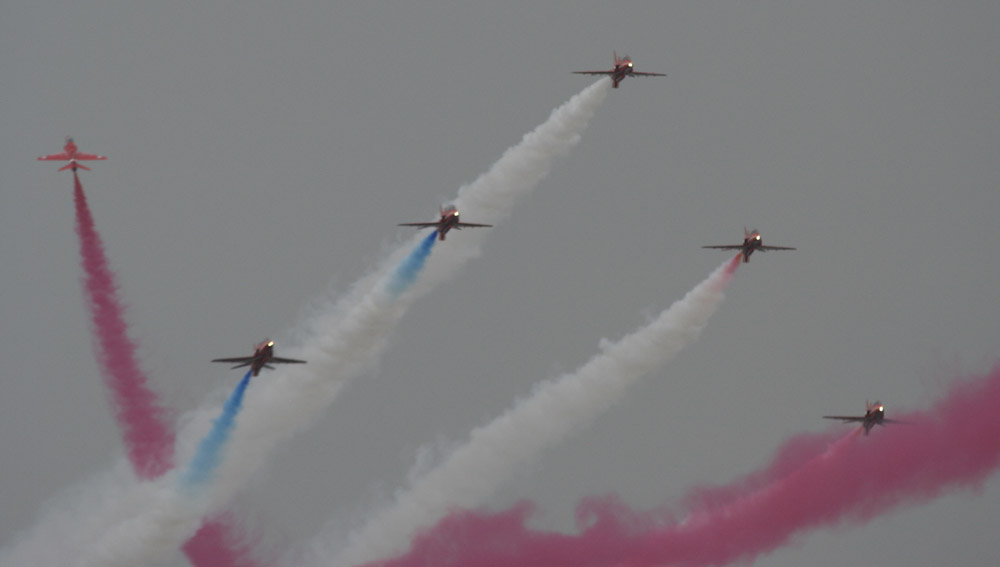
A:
<point x="260" y="153"/>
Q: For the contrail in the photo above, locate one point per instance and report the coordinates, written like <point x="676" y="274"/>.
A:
<point x="150" y="537"/>
<point x="148" y="437"/>
<point x="823" y="480"/>
<point x="146" y="429"/>
<point x="556" y="408"/>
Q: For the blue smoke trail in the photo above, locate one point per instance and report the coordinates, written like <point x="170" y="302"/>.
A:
<point x="408" y="270"/>
<point x="209" y="452"/>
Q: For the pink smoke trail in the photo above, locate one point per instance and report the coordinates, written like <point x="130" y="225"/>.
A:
<point x="815" y="481"/>
<point x="149" y="439"/>
<point x="556" y="408"/>
<point x="215" y="545"/>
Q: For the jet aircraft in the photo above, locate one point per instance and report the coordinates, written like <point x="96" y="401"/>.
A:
<point x="623" y="68"/>
<point x="70" y="153"/>
<point x="874" y="415"/>
<point x="263" y="356"/>
<point x="751" y="242"/>
<point x="449" y="220"/>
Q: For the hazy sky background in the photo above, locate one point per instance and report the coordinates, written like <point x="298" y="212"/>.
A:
<point x="261" y="152"/>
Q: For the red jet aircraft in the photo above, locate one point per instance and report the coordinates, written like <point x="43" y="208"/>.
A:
<point x="263" y="355"/>
<point x="449" y="220"/>
<point x="623" y="68"/>
<point x="70" y="153"/>
<point x="751" y="242"/>
<point x="874" y="415"/>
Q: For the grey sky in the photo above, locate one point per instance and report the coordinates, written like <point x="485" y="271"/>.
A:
<point x="259" y="152"/>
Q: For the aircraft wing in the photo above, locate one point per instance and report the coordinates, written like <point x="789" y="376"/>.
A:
<point x="641" y="74"/>
<point x="88" y="156"/>
<point x="418" y="224"/>
<point x="73" y="164"/>
<point x="473" y="224"/>
<point x="286" y="360"/>
<point x="726" y="247"/>
<point x="240" y="362"/>
<point x="845" y="418"/>
<point x="594" y="72"/>
<point x="63" y="156"/>
<point x="765" y="248"/>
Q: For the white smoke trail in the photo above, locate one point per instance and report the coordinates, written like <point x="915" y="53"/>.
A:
<point x="492" y="196"/>
<point x="72" y="521"/>
<point x="471" y="473"/>
<point x="168" y="518"/>
<point x="174" y="514"/>
<point x="343" y="342"/>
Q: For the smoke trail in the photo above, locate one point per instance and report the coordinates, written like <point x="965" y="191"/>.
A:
<point x="148" y="437"/>
<point x="149" y="440"/>
<point x="408" y="270"/>
<point x="556" y="408"/>
<point x="178" y="506"/>
<point x="216" y="545"/>
<point x="343" y="341"/>
<point x="209" y="453"/>
<point x="851" y="479"/>
<point x="788" y="458"/>
<point x="492" y="196"/>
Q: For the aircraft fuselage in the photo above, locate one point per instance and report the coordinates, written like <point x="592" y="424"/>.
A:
<point x="872" y="418"/>
<point x="620" y="72"/>
<point x="750" y="244"/>
<point x="449" y="220"/>
<point x="261" y="356"/>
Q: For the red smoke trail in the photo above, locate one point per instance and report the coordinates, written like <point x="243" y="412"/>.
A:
<point x="149" y="439"/>
<point x="789" y="457"/>
<point x="815" y="481"/>
<point x="216" y="545"/>
<point x="555" y="409"/>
